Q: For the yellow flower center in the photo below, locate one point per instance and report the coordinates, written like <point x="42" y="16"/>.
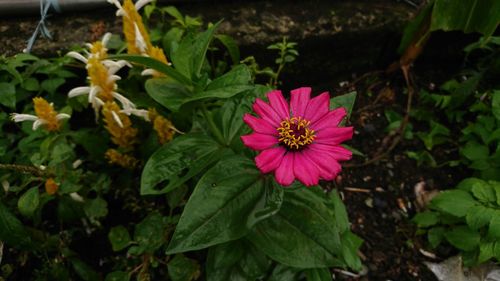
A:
<point x="131" y="19"/>
<point x="123" y="135"/>
<point x="99" y="75"/>
<point x="44" y="110"/>
<point x="295" y="133"/>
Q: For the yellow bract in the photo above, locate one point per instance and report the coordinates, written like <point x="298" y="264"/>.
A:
<point x="123" y="160"/>
<point x="119" y="126"/>
<point x="45" y="111"/>
<point x="51" y="186"/>
<point x="295" y="133"/>
<point x="98" y="50"/>
<point x="162" y="126"/>
<point x="132" y="24"/>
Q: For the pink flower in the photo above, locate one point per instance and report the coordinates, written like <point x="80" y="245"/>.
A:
<point x="300" y="141"/>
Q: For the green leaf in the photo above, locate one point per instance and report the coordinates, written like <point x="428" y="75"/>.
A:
<point x="412" y="28"/>
<point x="12" y="231"/>
<point x="231" y="46"/>
<point x="119" y="238"/>
<point x="350" y="247"/>
<point x="178" y="161"/>
<point x="463" y="238"/>
<point x="8" y="94"/>
<point x="484" y="192"/>
<point x="475" y="151"/>
<point x="495" y="104"/>
<point x="239" y="75"/>
<point x="467" y="15"/>
<point x="479" y="216"/>
<point x="51" y="85"/>
<point x="468" y="183"/>
<point x="346" y="101"/>
<point x="435" y="236"/>
<point x="236" y="260"/>
<point x="117" y="276"/>
<point x="486" y="251"/>
<point x="494" y="228"/>
<point x="312" y="236"/>
<point x="189" y="56"/>
<point x="455" y="202"/>
<point x="31" y="84"/>
<point x="83" y="270"/>
<point x="285" y="273"/>
<point x="318" y="274"/>
<point x="225" y="204"/>
<point x="156" y="65"/>
<point x="426" y="219"/>
<point x="28" y="202"/>
<point x="96" y="208"/>
<point x="181" y="268"/>
<point x="150" y="233"/>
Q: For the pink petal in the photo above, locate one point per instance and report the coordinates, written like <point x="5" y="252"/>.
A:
<point x="299" y="100"/>
<point x="338" y="152"/>
<point x="331" y="119"/>
<point x="305" y="170"/>
<point x="284" y="172"/>
<point x="267" y="113"/>
<point x="334" y="135"/>
<point x="269" y="159"/>
<point x="279" y="104"/>
<point x="328" y="167"/>
<point x="317" y="107"/>
<point x="258" y="141"/>
<point x="259" y="125"/>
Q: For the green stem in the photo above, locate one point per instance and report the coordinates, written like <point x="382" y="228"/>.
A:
<point x="211" y="125"/>
<point x="23" y="169"/>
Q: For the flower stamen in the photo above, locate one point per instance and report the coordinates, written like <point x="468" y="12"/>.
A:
<point x="295" y="133"/>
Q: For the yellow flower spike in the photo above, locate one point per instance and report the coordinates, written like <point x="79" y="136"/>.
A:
<point x="163" y="127"/>
<point x="99" y="76"/>
<point x="45" y="111"/>
<point x="51" y="186"/>
<point x="97" y="49"/>
<point x="123" y="160"/>
<point x="136" y="35"/>
<point x="119" y="126"/>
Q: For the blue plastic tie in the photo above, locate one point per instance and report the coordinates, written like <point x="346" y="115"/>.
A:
<point x="41" y="27"/>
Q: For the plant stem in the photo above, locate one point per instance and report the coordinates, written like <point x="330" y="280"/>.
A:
<point x="211" y="125"/>
<point x="23" y="169"/>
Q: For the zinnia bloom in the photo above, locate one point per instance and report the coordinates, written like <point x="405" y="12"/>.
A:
<point x="300" y="141"/>
<point x="45" y="115"/>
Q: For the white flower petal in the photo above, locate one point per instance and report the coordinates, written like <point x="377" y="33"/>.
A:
<point x="141" y="3"/>
<point x="117" y="119"/>
<point x="77" y="56"/>
<point x="38" y="123"/>
<point x="77" y="163"/>
<point x="78" y="91"/>
<point x="140" y="43"/>
<point x="6" y="186"/>
<point x="148" y="71"/>
<point x="94" y="90"/>
<point x="137" y="112"/>
<point x="16" y="117"/>
<point x="126" y="103"/>
<point x="105" y="38"/>
<point x="75" y="196"/>
<point x="61" y="116"/>
<point x="113" y="78"/>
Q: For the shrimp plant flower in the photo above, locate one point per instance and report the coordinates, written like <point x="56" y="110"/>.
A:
<point x="301" y="140"/>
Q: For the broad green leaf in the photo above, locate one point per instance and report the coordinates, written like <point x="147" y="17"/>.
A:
<point x="426" y="219"/>
<point x="435" y="236"/>
<point x="455" y="202"/>
<point x="475" y="151"/>
<point x="346" y="101"/>
<point x="117" y="276"/>
<point x="181" y="268"/>
<point x="463" y="238"/>
<point x="467" y="15"/>
<point x="350" y="248"/>
<point x="285" y="273"/>
<point x="12" y="231"/>
<point x="239" y="75"/>
<point x="479" y="216"/>
<point x="28" y="202"/>
<point x="318" y="274"/>
<point x="494" y="228"/>
<point x="51" y="85"/>
<point x="495" y="104"/>
<point x="156" y="65"/>
<point x="312" y="236"/>
<point x="484" y="192"/>
<point x="96" y="208"/>
<point x="7" y="94"/>
<point x="150" y="233"/>
<point x="188" y="57"/>
<point x="486" y="251"/>
<point x="236" y="260"/>
<point x="178" y="161"/>
<point x="231" y="46"/>
<point x="119" y="238"/>
<point x="468" y="183"/>
<point x="225" y="204"/>
<point x="83" y="270"/>
<point x="31" y="84"/>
